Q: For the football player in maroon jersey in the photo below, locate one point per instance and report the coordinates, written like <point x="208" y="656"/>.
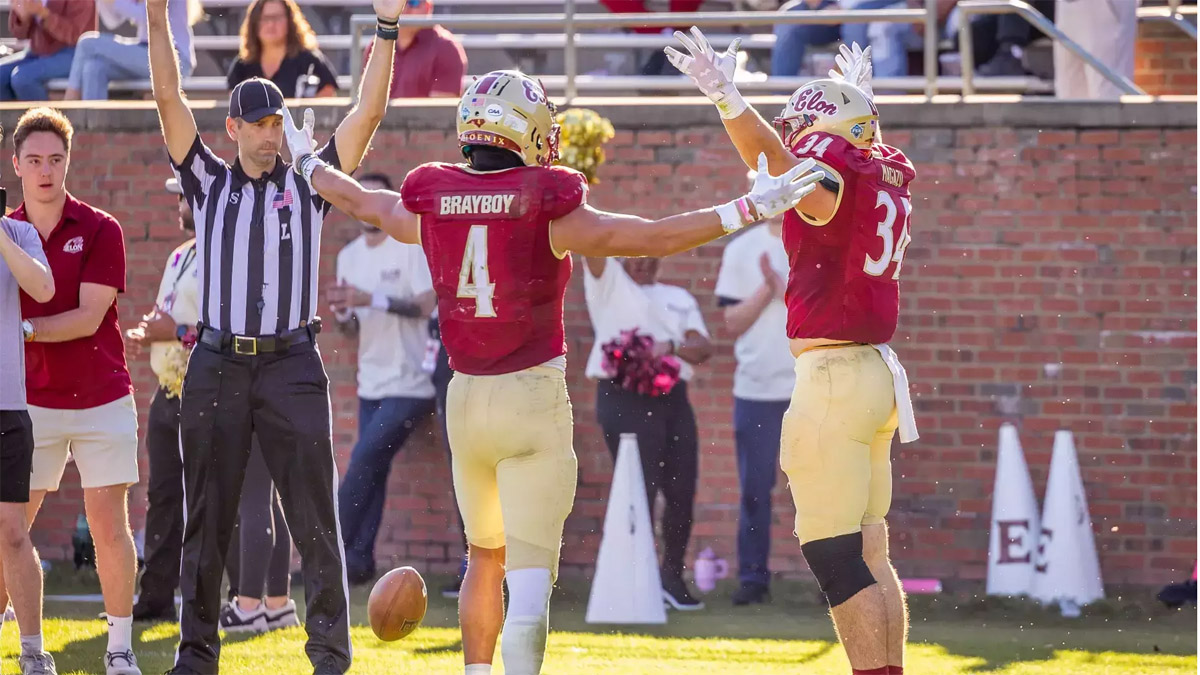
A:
<point x="497" y="231"/>
<point x="845" y="244"/>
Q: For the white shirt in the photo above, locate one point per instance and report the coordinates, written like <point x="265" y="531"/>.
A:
<point x="178" y="296"/>
<point x="391" y="348"/>
<point x="616" y="303"/>
<point x="765" y="367"/>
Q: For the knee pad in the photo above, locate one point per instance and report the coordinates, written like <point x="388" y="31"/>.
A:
<point x="837" y="563"/>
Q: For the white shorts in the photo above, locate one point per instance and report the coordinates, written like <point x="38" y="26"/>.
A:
<point x="103" y="440"/>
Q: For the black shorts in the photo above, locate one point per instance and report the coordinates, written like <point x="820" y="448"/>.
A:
<point x="16" y="456"/>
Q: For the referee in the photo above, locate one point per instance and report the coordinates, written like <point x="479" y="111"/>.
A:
<point x="256" y="368"/>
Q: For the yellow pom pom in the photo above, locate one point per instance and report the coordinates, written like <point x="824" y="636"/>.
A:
<point x="582" y="133"/>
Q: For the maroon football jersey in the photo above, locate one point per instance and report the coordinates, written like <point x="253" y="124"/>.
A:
<point x="499" y="284"/>
<point x="844" y="278"/>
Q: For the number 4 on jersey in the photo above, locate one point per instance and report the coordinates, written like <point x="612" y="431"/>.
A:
<point x="473" y="279"/>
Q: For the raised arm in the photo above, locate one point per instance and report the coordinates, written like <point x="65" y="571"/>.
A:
<point x="354" y="134"/>
<point x="594" y="233"/>
<point x="178" y="124"/>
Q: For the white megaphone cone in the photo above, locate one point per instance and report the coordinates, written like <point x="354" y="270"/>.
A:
<point x="1067" y="570"/>
<point x="1014" y="520"/>
<point x="627" y="587"/>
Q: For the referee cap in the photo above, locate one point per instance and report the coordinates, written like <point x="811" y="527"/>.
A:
<point x="254" y="99"/>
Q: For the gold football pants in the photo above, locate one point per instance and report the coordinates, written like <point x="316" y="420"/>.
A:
<point x="837" y="440"/>
<point x="514" y="465"/>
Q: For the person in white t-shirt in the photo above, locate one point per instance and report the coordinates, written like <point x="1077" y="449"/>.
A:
<point x="385" y="297"/>
<point x="750" y="289"/>
<point x="623" y="295"/>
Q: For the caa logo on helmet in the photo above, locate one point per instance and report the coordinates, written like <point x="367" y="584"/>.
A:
<point x="494" y="112"/>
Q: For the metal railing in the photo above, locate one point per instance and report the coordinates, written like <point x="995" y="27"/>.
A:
<point x="1173" y="14"/>
<point x="570" y="21"/>
<point x="970" y="8"/>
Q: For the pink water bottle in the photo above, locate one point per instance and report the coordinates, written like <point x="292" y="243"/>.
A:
<point x="709" y="569"/>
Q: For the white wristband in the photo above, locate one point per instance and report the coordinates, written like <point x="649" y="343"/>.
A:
<point x="736" y="214"/>
<point x="379" y="300"/>
<point x="306" y="165"/>
<point x="731" y="105"/>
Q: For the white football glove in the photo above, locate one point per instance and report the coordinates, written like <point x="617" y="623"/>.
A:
<point x="770" y="195"/>
<point x="855" y="67"/>
<point x="300" y="143"/>
<point x="712" y="72"/>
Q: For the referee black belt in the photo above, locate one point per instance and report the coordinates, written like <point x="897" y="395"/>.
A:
<point x="244" y="345"/>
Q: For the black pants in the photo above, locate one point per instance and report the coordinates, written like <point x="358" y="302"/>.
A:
<point x="990" y="32"/>
<point x="164" y="514"/>
<point x="259" y="563"/>
<point x="666" y="431"/>
<point x="284" y="399"/>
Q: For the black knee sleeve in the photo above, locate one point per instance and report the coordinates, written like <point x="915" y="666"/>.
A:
<point x="838" y="565"/>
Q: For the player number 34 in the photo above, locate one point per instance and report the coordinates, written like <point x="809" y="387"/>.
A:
<point x="473" y="279"/>
<point x="893" y="247"/>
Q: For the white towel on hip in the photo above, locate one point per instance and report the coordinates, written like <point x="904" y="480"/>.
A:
<point x="904" y="409"/>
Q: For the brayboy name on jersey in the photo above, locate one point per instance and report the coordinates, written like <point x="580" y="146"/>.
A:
<point x="475" y="204"/>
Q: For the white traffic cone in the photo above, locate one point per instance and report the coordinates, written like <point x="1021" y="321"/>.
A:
<point x="1015" y="525"/>
<point x="627" y="587"/>
<point x="1067" y="569"/>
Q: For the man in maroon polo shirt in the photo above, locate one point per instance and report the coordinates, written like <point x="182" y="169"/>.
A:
<point x="429" y="62"/>
<point x="80" y="394"/>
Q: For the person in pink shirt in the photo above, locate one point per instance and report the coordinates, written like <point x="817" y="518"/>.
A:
<point x="430" y="62"/>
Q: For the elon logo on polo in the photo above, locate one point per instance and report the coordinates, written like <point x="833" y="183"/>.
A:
<point x="73" y="245"/>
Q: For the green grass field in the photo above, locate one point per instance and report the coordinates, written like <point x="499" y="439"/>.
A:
<point x="790" y="635"/>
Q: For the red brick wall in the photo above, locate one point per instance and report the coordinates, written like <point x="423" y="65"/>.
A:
<point x="1165" y="60"/>
<point x="1038" y="244"/>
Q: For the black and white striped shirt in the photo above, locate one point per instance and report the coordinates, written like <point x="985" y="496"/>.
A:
<point x="257" y="242"/>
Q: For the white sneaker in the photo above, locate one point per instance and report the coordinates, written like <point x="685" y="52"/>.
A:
<point x="121" y="663"/>
<point x="284" y="617"/>
<point x="37" y="664"/>
<point x="234" y="620"/>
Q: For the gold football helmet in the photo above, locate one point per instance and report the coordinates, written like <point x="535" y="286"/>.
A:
<point x="507" y="109"/>
<point x="833" y="106"/>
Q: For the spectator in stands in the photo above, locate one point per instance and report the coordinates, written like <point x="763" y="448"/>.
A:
<point x="165" y="328"/>
<point x="750" y="288"/>
<point x="384" y="296"/>
<point x="656" y="64"/>
<point x="103" y="57"/>
<point x="430" y="62"/>
<point x="52" y="28"/>
<point x="1105" y="28"/>
<point x="887" y="40"/>
<point x="23" y="267"/>
<point x="998" y="40"/>
<point x="80" y="393"/>
<point x="279" y="45"/>
<point x="623" y="296"/>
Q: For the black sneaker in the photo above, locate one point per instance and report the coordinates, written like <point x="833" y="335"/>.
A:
<point x="676" y="595"/>
<point x="751" y="594"/>
<point x="234" y="620"/>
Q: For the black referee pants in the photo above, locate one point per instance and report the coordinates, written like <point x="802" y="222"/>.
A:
<point x="669" y="448"/>
<point x="284" y="399"/>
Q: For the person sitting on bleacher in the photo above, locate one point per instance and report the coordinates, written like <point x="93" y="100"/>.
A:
<point x="103" y="57"/>
<point x="52" y="28"/>
<point x="887" y="40"/>
<point x="430" y="62"/>
<point x="279" y="45"/>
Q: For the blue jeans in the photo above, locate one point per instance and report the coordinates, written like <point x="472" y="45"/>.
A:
<point x="757" y="427"/>
<point x="383" y="426"/>
<point x="888" y="58"/>
<point x="23" y="75"/>
<point x="102" y="57"/>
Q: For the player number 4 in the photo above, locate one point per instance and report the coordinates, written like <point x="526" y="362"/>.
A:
<point x="473" y="279"/>
<point x="893" y="248"/>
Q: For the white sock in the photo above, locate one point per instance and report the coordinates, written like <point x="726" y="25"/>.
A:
<point x="478" y="669"/>
<point x="523" y="640"/>
<point x="32" y="644"/>
<point x="120" y="633"/>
